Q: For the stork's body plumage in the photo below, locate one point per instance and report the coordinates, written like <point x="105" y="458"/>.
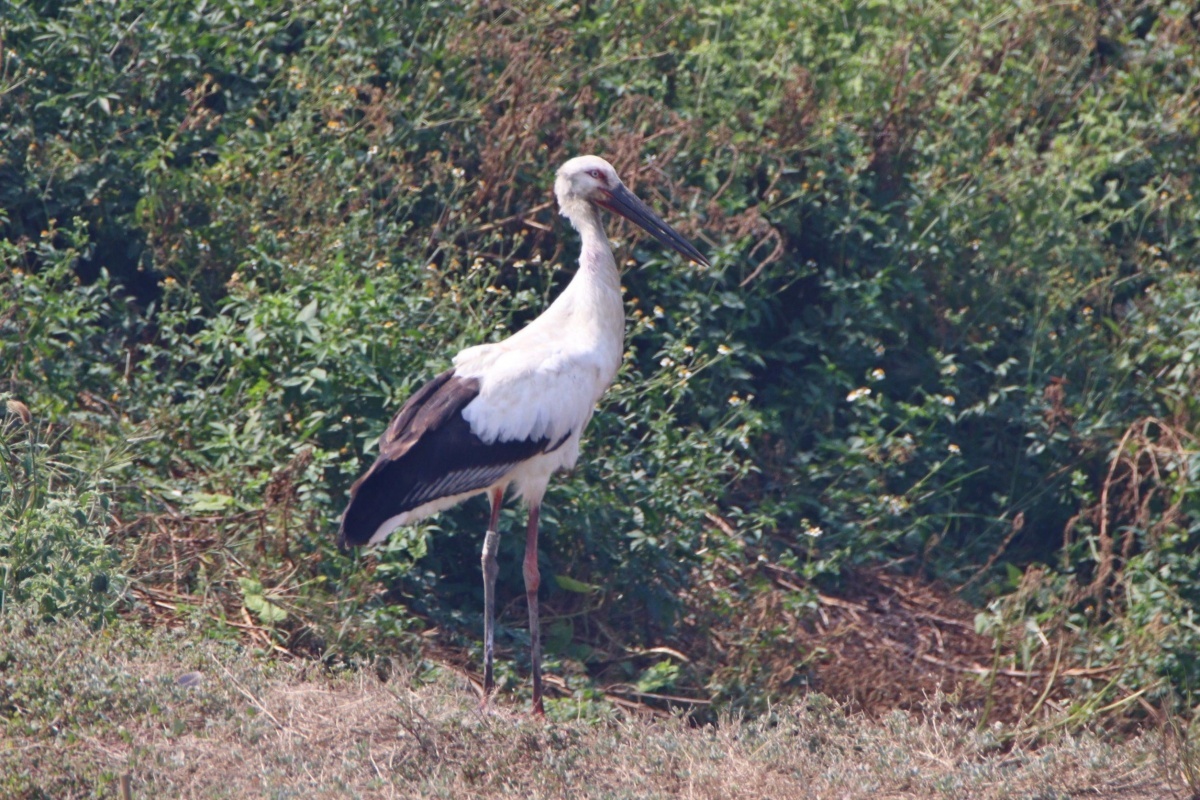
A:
<point x="511" y="413"/>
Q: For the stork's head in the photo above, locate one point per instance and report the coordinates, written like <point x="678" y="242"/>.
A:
<point x="592" y="180"/>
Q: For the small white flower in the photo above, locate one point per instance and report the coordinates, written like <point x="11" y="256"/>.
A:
<point x="858" y="394"/>
<point x="724" y="349"/>
<point x="946" y="400"/>
<point x="810" y="530"/>
<point x="954" y="449"/>
<point x="878" y="374"/>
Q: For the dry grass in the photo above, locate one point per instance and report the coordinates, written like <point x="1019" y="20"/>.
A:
<point x="186" y="717"/>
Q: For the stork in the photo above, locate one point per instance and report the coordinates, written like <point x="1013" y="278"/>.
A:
<point x="511" y="413"/>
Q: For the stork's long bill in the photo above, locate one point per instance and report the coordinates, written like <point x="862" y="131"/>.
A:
<point x="624" y="202"/>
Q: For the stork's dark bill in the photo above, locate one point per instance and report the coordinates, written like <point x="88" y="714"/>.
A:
<point x="620" y="200"/>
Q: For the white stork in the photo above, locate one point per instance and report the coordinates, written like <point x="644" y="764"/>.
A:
<point x="512" y="412"/>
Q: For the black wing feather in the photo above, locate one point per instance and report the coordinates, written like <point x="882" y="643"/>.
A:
<point x="429" y="452"/>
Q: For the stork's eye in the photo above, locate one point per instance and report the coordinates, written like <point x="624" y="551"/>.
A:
<point x="597" y="174"/>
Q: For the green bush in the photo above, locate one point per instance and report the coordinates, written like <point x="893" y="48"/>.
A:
<point x="55" y="553"/>
<point x="951" y="248"/>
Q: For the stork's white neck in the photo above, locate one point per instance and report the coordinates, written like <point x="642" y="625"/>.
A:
<point x="596" y="260"/>
<point x="590" y="308"/>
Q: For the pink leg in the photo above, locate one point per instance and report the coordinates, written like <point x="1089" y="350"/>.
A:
<point x="532" y="581"/>
<point x="491" y="543"/>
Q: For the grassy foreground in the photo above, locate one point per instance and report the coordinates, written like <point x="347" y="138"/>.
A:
<point x="172" y="716"/>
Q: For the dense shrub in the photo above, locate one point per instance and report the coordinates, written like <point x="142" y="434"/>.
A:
<point x="949" y="322"/>
<point x="54" y="529"/>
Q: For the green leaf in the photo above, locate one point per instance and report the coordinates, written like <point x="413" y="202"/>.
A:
<point x="572" y="585"/>
<point x="203" y="501"/>
<point x="308" y="312"/>
<point x="255" y="600"/>
<point x="264" y="609"/>
<point x="660" y="676"/>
